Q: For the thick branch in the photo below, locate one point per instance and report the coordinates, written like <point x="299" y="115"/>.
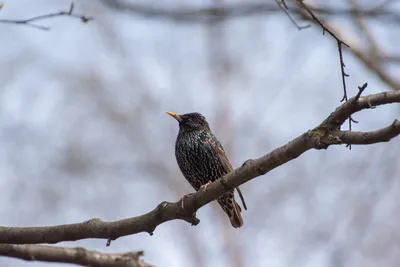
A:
<point x="79" y="256"/>
<point x="321" y="137"/>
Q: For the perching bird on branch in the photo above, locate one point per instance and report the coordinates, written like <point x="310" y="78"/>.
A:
<point x="202" y="160"/>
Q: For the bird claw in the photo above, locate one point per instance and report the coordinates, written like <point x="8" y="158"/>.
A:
<point x="204" y="186"/>
<point x="183" y="199"/>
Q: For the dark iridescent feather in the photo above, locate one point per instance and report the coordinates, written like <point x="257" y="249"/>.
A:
<point x="201" y="158"/>
<point x="219" y="152"/>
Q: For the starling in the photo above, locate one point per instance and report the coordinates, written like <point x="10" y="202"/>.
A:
<point x="202" y="160"/>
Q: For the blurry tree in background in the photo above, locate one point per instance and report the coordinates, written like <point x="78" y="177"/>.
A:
<point x="83" y="131"/>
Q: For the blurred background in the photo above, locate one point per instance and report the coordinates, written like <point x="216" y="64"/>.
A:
<point x="83" y="131"/>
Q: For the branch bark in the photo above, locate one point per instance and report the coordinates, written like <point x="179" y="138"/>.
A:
<point x="78" y="256"/>
<point x="321" y="137"/>
<point x="362" y="138"/>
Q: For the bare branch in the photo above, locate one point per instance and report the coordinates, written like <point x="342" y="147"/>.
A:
<point x="375" y="51"/>
<point x="282" y="5"/>
<point x="321" y="137"/>
<point x="96" y="228"/>
<point x="29" y="21"/>
<point x="376" y="68"/>
<point x="230" y="11"/>
<point x="361" y="55"/>
<point x="362" y="138"/>
<point x="391" y="58"/>
<point x="78" y="256"/>
<point x="339" y="42"/>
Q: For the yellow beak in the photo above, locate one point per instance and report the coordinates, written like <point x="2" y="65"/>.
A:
<point x="174" y="115"/>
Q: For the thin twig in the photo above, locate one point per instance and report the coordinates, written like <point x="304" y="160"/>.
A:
<point x="340" y="44"/>
<point x="29" y="21"/>
<point x="358" y="53"/>
<point x="360" y="91"/>
<point x="354" y="100"/>
<point x="282" y="5"/>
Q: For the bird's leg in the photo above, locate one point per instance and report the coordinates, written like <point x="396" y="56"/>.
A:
<point x="183" y="200"/>
<point x="204" y="186"/>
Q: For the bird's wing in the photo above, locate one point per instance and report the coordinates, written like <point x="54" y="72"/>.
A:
<point x="215" y="147"/>
<point x="218" y="151"/>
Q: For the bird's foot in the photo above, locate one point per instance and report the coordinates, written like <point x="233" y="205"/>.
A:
<point x="204" y="186"/>
<point x="183" y="200"/>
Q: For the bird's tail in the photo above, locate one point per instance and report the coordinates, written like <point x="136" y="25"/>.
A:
<point x="231" y="208"/>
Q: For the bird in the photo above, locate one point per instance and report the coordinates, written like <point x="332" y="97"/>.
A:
<point x="202" y="160"/>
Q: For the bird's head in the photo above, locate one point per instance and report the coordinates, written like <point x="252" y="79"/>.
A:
<point x="190" y="121"/>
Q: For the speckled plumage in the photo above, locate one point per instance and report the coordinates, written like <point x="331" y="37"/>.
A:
<point x="201" y="158"/>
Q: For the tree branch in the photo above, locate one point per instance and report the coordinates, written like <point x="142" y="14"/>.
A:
<point x="321" y="137"/>
<point x="231" y="11"/>
<point x="339" y="42"/>
<point x="374" y="48"/>
<point x="29" y="21"/>
<point x="362" y="138"/>
<point x="369" y="62"/>
<point x="282" y="5"/>
<point x="78" y="255"/>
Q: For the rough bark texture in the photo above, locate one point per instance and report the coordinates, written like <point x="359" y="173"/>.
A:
<point x="321" y="137"/>
<point x="79" y="256"/>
